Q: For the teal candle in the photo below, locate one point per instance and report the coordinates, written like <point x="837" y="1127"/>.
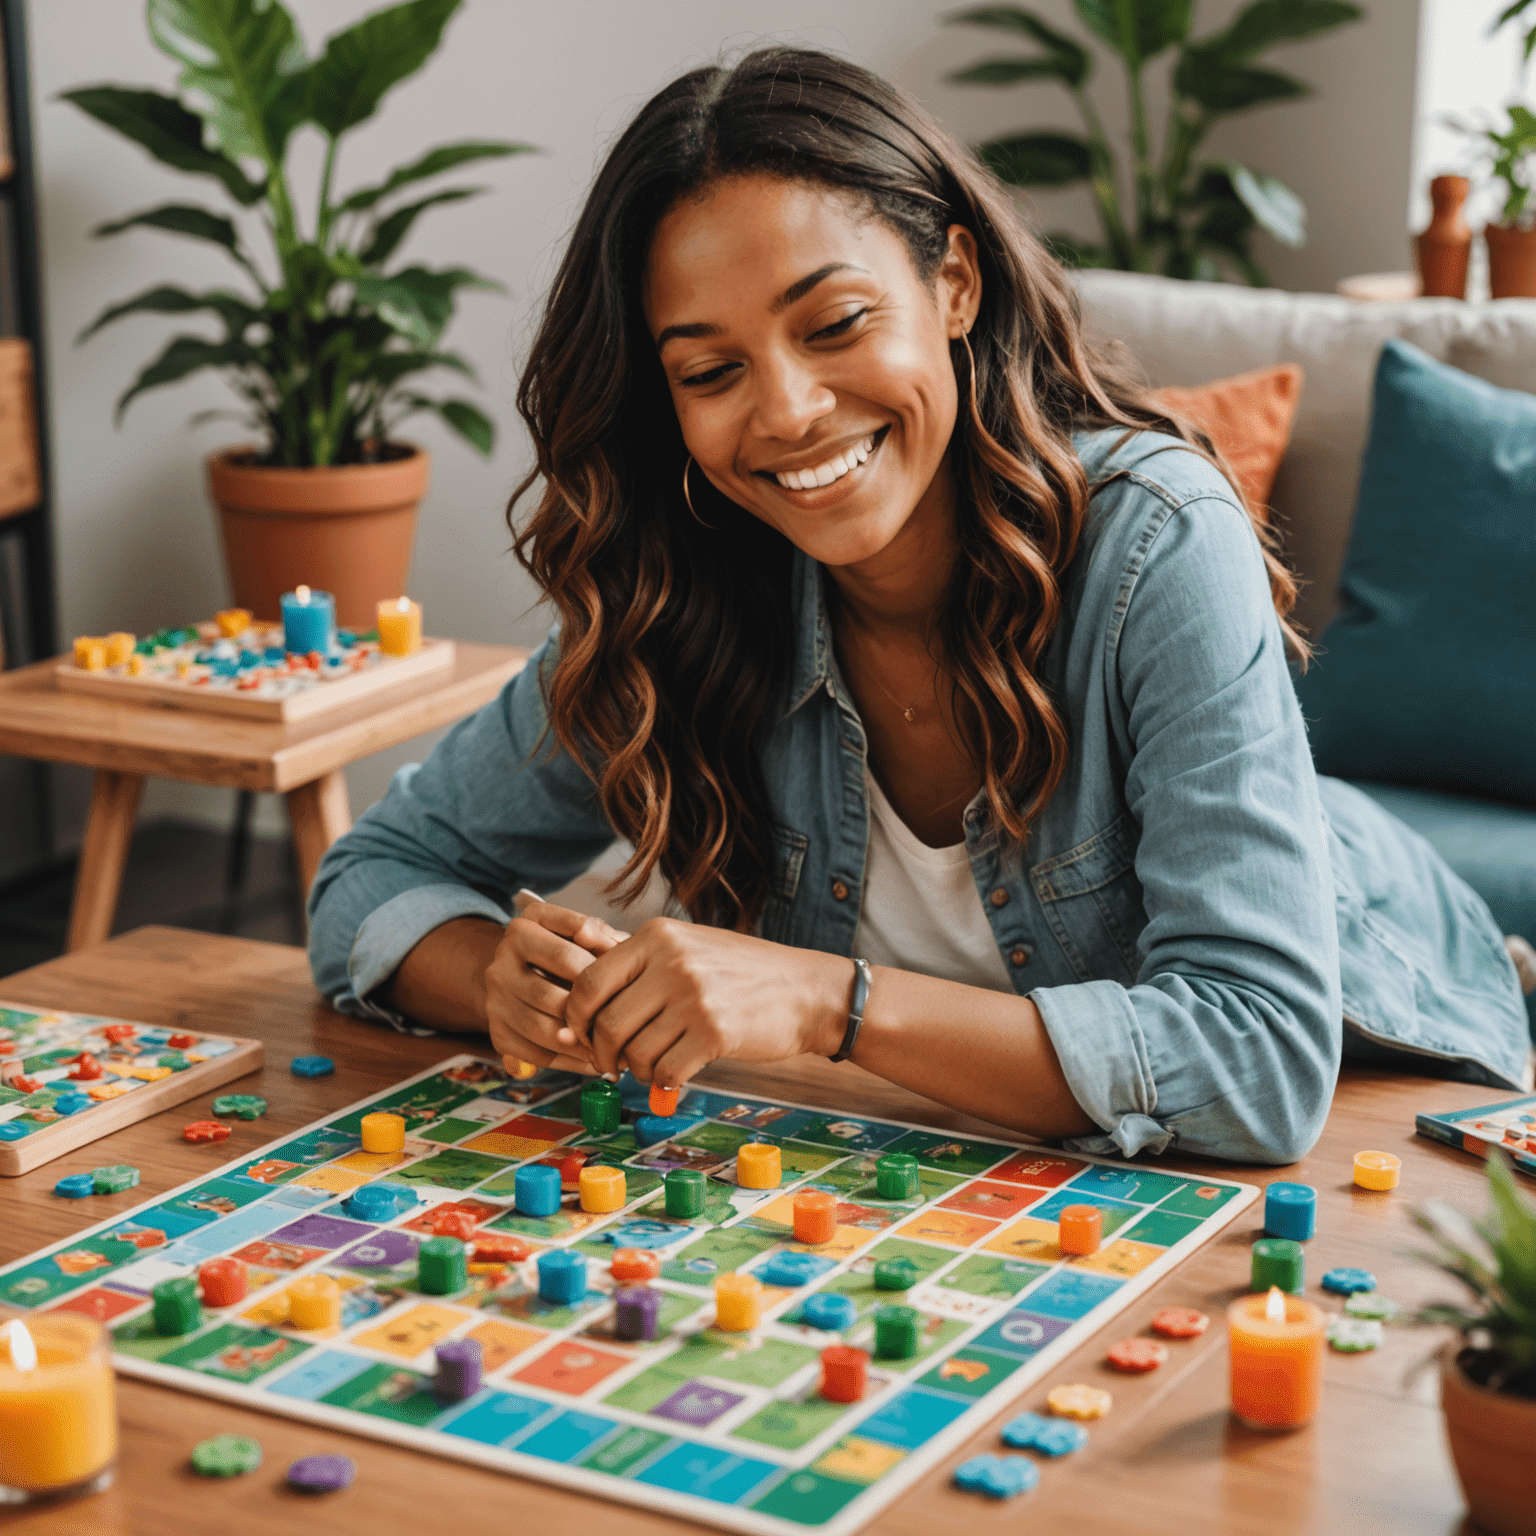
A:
<point x="309" y="620"/>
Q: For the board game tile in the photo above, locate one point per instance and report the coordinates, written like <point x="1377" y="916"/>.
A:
<point x="387" y="1254"/>
<point x="478" y="1211"/>
<point x="501" y="1342"/>
<point x="992" y="1278"/>
<point x="1197" y="1199"/>
<point x="566" y="1436"/>
<point x="950" y="1154"/>
<point x="696" y="1356"/>
<point x="570" y="1366"/>
<point x="807" y="1498"/>
<point x="721" y="1141"/>
<point x="698" y="1404"/>
<point x="519" y="1301"/>
<point x="674" y="1309"/>
<point x="323" y="1230"/>
<point x="144" y="1274"/>
<point x="215" y="1198"/>
<point x="317" y="1373"/>
<point x="940" y="1226"/>
<point x="1071" y="1293"/>
<point x="971" y="1371"/>
<point x="1116" y="1212"/>
<point x="1028" y="1239"/>
<point x="408" y="1333"/>
<point x="388" y="1392"/>
<point x="858" y="1460"/>
<point x="620" y="1454"/>
<point x="220" y="1236"/>
<point x="550" y="1229"/>
<point x="707" y="1473"/>
<point x="271" y="1311"/>
<point x="499" y="1145"/>
<point x="1141" y="1186"/>
<point x="1036" y="1168"/>
<point x="336" y="1179"/>
<point x="539" y="1127"/>
<point x="419" y="1104"/>
<point x="1123" y="1258"/>
<point x="497" y="1419"/>
<point x="139" y="1337"/>
<point x="448" y="1131"/>
<point x="638" y="1229"/>
<point x="995" y="1201"/>
<point x="44" y="1280"/>
<point x="100" y="1302"/>
<point x="1164" y="1227"/>
<point x="911" y="1418"/>
<point x="1022" y="1333"/>
<point x="934" y="1334"/>
<point x="234" y="1353"/>
<point x="717" y="1251"/>
<point x="274" y="1255"/>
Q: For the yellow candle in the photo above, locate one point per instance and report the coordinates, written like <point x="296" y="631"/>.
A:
<point x="383" y="1132"/>
<point x="399" y="626"/>
<point x="1276" y="1344"/>
<point x="58" y="1418"/>
<point x="1377" y="1170"/>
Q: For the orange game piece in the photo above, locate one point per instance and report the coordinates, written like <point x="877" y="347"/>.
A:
<point x="86" y="1068"/>
<point x="635" y="1264"/>
<point x="223" y="1282"/>
<point x="24" y="1084"/>
<point x="117" y="1033"/>
<point x="500" y="1248"/>
<point x="815" y="1217"/>
<point x="453" y="1224"/>
<point x="1137" y="1356"/>
<point x="844" y="1373"/>
<point x="205" y="1130"/>
<point x="664" y="1100"/>
<point x="570" y="1169"/>
<point x="181" y="1042"/>
<point x="1082" y="1229"/>
<point x="1180" y="1323"/>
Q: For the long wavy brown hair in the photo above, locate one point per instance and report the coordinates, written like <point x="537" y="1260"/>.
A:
<point x="674" y="641"/>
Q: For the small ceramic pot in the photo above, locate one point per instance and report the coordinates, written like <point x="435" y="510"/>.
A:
<point x="1511" y="262"/>
<point x="1491" y="1437"/>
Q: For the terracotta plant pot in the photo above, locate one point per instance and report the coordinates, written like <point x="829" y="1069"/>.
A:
<point x="1443" y="250"/>
<point x="1511" y="262"/>
<point x="345" y="530"/>
<point x="1491" y="1436"/>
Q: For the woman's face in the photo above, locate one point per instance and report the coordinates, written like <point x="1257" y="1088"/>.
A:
<point x="808" y="362"/>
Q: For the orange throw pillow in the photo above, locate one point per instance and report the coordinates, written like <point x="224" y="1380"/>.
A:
<point x="1248" y="417"/>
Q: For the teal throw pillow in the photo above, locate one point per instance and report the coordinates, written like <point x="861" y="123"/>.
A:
<point x="1428" y="674"/>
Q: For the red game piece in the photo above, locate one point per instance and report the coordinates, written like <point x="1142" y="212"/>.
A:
<point x="1137" y="1356"/>
<point x="86" y="1069"/>
<point x="25" y="1084"/>
<point x="635" y="1264"/>
<point x="1180" y="1323"/>
<point x="119" y="1032"/>
<point x="205" y="1130"/>
<point x="181" y="1042"/>
<point x="453" y="1224"/>
<point x="223" y="1282"/>
<point x="570" y="1169"/>
<point x="844" y="1373"/>
<point x="500" y="1248"/>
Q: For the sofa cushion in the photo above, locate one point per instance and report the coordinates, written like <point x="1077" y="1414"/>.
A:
<point x="1185" y="333"/>
<point x="1425" y="676"/>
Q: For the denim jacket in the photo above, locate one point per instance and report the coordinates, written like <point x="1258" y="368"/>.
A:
<point x="1202" y="941"/>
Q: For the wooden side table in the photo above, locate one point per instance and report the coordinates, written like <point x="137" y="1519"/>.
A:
<point x="127" y="743"/>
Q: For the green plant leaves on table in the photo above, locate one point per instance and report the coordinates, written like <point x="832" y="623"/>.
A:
<point x="1039" y="159"/>
<point x="1137" y="29"/>
<point x="1064" y="58"/>
<point x="347" y="82"/>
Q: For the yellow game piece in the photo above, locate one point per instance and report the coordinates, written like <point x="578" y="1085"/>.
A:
<point x="314" y="1302"/>
<point x="105" y="1091"/>
<point x="759" y="1166"/>
<point x="523" y="1069"/>
<point x="738" y="1302"/>
<point x="135" y="665"/>
<point x="1079" y="1402"/>
<point x="601" y="1189"/>
<point x="383" y="1132"/>
<point x="119" y="647"/>
<point x="232" y="621"/>
<point x="183" y="669"/>
<point x="1377" y="1170"/>
<point x="90" y="652"/>
<point x="148" y="1074"/>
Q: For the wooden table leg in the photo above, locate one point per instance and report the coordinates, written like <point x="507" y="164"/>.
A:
<point x="103" y="855"/>
<point x="319" y="812"/>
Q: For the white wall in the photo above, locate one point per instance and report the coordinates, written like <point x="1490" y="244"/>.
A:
<point x="137" y="547"/>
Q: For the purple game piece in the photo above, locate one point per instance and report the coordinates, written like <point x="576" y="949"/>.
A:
<point x="635" y="1315"/>
<point x="458" y="1370"/>
<point x="321" y="1474"/>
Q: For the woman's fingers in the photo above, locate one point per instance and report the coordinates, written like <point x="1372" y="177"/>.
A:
<point x="590" y="933"/>
<point x="536" y="944"/>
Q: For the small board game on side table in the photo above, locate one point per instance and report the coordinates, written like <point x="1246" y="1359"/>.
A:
<point x="743" y="1312"/>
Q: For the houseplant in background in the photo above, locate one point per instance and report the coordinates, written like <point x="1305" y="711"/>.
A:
<point x="1488" y="1376"/>
<point x="322" y="344"/>
<point x="1186" y="216"/>
<point x="1512" y="239"/>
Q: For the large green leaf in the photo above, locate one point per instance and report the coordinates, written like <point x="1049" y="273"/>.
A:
<point x="1209" y="80"/>
<point x="1039" y="159"/>
<point x="415" y="302"/>
<point x="347" y="82"/>
<point x="1275" y="208"/>
<point x="238" y="58"/>
<point x="184" y="355"/>
<point x="1509" y="13"/>
<point x="1005" y="71"/>
<point x="391" y="231"/>
<point x="471" y="423"/>
<point x="1068" y="59"/>
<point x="236" y="313"/>
<point x="178" y="219"/>
<point x="433" y="163"/>
<point x="389" y="369"/>
<point x="1153" y="25"/>
<point x="1267" y="22"/>
<point x="167" y="130"/>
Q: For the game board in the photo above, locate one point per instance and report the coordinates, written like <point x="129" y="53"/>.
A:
<point x="143" y="1070"/>
<point x="1510" y="1125"/>
<point x="727" y="1429"/>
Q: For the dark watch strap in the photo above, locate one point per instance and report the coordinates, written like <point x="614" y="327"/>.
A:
<point x="861" y="982"/>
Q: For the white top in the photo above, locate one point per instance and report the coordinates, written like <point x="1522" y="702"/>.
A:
<point x="922" y="911"/>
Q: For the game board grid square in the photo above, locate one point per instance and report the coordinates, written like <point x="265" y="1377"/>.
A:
<point x="707" y="1472"/>
<point x="807" y="1498"/>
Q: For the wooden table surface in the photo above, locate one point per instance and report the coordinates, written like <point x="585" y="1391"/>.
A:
<point x="1168" y="1461"/>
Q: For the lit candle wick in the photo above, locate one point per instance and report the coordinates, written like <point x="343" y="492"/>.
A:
<point x="1274" y="1305"/>
<point x="302" y="593"/>
<point x="403" y="605"/>
<point x="23" y="1350"/>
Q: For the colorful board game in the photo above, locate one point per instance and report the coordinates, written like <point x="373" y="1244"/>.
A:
<point x="1510" y="1125"/>
<point x="69" y="1078"/>
<point x="725" y="1428"/>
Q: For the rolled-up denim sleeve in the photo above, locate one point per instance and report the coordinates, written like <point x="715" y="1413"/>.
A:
<point x="496" y="806"/>
<point x="1228" y="1042"/>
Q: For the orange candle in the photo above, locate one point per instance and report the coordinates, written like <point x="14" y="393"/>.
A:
<point x="1276" y="1344"/>
<point x="58" y="1417"/>
<point x="399" y="626"/>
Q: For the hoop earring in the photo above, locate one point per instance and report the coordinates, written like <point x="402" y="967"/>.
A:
<point x="687" y="465"/>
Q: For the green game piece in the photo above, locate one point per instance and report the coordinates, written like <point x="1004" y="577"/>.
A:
<point x="1371" y="1304"/>
<point x="686" y="1192"/>
<point x="443" y="1266"/>
<point x="243" y="1106"/>
<point x="897" y="1177"/>
<point x="175" y="1061"/>
<point x="600" y="1105"/>
<point x="114" y="1180"/>
<point x="896" y="1332"/>
<point x="1355" y="1335"/>
<point x="895" y="1274"/>
<point x="225" y="1456"/>
<point x="1278" y="1261"/>
<point x="176" y="1307"/>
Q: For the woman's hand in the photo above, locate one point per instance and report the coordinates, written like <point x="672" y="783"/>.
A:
<point x="677" y="996"/>
<point x="527" y="984"/>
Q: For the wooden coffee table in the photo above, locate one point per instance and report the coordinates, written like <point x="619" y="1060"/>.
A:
<point x="127" y="743"/>
<point x="1168" y="1461"/>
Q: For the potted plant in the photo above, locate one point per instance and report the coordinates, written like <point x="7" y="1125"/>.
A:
<point x="1488" y="1376"/>
<point x="1188" y="217"/>
<point x="322" y="340"/>
<point x="1512" y="240"/>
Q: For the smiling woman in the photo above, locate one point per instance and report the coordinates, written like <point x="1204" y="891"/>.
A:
<point x="939" y="672"/>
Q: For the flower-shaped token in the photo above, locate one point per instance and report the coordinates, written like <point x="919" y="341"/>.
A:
<point x="1137" y="1356"/>
<point x="1079" y="1402"/>
<point x="999" y="1477"/>
<point x="225" y="1456"/>
<point x="243" y="1106"/>
<point x="321" y="1474"/>
<point x="115" y="1179"/>
<point x="1051" y="1437"/>
<point x="1355" y="1335"/>
<point x="1345" y="1282"/>
<point x="75" y="1186"/>
<point x="311" y="1066"/>
<point x="1180" y="1323"/>
<point x="205" y="1130"/>
<point x="1371" y="1304"/>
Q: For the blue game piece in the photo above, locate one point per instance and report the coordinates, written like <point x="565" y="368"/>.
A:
<point x="379" y="1202"/>
<point x="13" y="1130"/>
<point x="75" y="1186"/>
<point x="562" y="1276"/>
<point x="311" y="1066"/>
<point x="71" y="1103"/>
<point x="999" y="1477"/>
<point x="649" y="1129"/>
<point x="1049" y="1436"/>
<point x="536" y="1190"/>
<point x="1290" y="1210"/>
<point x="1348" y="1282"/>
<point x="829" y="1311"/>
<point x="791" y="1270"/>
